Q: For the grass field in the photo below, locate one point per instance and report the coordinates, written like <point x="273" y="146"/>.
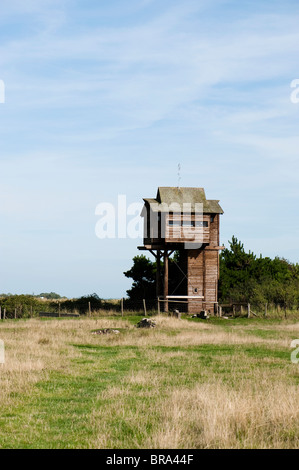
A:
<point x="184" y="384"/>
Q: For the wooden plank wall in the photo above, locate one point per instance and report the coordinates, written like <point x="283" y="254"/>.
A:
<point x="195" y="271"/>
<point x="182" y="234"/>
<point x="196" y="278"/>
<point x="214" y="231"/>
<point x="201" y="265"/>
<point x="211" y="276"/>
<point x="203" y="274"/>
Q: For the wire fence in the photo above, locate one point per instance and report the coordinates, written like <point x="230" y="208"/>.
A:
<point x="125" y="307"/>
<point x="64" y="309"/>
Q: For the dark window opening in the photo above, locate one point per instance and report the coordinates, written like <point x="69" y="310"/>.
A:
<point x="202" y="223"/>
<point x="188" y="223"/>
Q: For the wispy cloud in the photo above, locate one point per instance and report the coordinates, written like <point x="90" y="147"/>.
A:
<point x="108" y="96"/>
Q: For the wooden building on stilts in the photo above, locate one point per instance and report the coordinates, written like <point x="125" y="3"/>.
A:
<point x="183" y="220"/>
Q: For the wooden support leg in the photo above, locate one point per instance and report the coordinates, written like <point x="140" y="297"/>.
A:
<point x="165" y="280"/>
<point x="158" y="273"/>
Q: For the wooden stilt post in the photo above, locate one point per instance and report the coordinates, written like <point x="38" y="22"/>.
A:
<point x="216" y="309"/>
<point x="122" y="307"/>
<point x="165" y="280"/>
<point x="144" y="307"/>
<point x="158" y="273"/>
<point x="158" y="306"/>
<point x="248" y="310"/>
<point x="216" y="293"/>
<point x="204" y="279"/>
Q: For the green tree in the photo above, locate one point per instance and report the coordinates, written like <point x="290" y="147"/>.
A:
<point x="143" y="273"/>
<point x="246" y="278"/>
<point x="50" y="295"/>
<point x="81" y="304"/>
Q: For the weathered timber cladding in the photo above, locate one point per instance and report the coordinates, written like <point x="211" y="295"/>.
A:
<point x="214" y="231"/>
<point x="211" y="276"/>
<point x="176" y="229"/>
<point x="181" y="232"/>
<point x="195" y="272"/>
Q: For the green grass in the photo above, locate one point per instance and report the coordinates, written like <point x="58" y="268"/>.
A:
<point x="96" y="394"/>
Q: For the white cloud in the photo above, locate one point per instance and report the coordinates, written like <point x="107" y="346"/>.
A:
<point x="116" y="107"/>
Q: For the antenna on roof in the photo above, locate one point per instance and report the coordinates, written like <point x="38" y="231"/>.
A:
<point x="179" y="174"/>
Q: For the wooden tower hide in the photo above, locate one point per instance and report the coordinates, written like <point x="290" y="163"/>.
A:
<point x="182" y="219"/>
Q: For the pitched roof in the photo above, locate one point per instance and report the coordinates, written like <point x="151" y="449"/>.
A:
<point x="174" y="195"/>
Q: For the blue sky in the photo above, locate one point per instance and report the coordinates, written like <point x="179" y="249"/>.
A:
<point x="106" y="98"/>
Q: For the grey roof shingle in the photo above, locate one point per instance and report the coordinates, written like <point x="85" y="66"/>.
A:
<point x="191" y="196"/>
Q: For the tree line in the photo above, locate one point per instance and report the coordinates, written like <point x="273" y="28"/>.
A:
<point x="244" y="277"/>
<point x="25" y="306"/>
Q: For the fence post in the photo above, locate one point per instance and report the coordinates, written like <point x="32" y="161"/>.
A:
<point x="4" y="314"/>
<point x="31" y="311"/>
<point x="59" y="309"/>
<point x="15" y="313"/>
<point x="158" y="306"/>
<point x="266" y="309"/>
<point x="248" y="308"/>
<point x="122" y="306"/>
<point x="220" y="311"/>
<point x="144" y="307"/>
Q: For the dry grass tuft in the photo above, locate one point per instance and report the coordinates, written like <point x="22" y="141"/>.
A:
<point x="180" y="385"/>
<point x="213" y="415"/>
